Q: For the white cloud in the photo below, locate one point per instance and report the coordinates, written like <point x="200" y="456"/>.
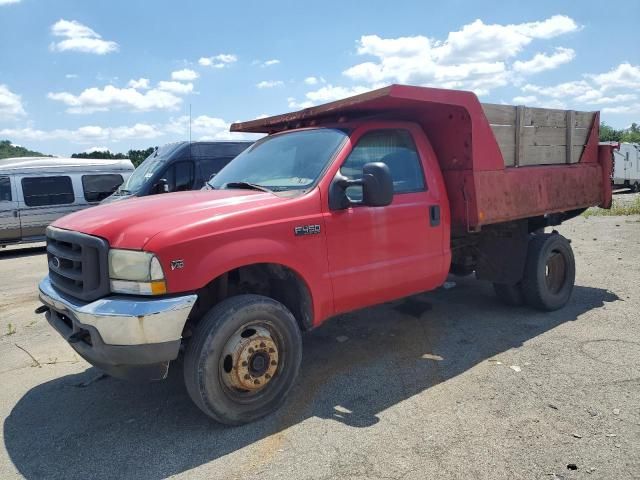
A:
<point x="206" y="128"/>
<point x="615" y="89"/>
<point x="80" y="38"/>
<point x="314" y="80"/>
<point x="561" y="90"/>
<point x="270" y="84"/>
<point x="525" y="100"/>
<point x="10" y="104"/>
<point x="624" y="75"/>
<point x="541" y="61"/>
<point x="325" y="94"/>
<point x="9" y="2"/>
<point x="97" y="149"/>
<point x="139" y="84"/>
<point x="632" y="109"/>
<point x="472" y="58"/>
<point x="218" y="61"/>
<point x="184" y="75"/>
<point x="479" y="42"/>
<point x="176" y="87"/>
<point x="273" y="61"/>
<point x="102" y="99"/>
<point x="71" y="75"/>
<point x="87" y="134"/>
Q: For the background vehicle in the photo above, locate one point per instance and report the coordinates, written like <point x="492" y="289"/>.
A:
<point x="36" y="191"/>
<point x="177" y="167"/>
<point x="343" y="206"/>
<point x="626" y="166"/>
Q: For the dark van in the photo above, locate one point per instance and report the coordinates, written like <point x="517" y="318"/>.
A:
<point x="177" y="167"/>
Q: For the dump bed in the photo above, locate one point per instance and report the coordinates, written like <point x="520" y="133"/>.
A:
<point x="499" y="162"/>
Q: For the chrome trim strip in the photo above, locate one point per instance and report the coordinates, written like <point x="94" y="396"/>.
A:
<point x="125" y="319"/>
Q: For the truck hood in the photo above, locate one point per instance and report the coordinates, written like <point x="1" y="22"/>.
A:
<point x="133" y="223"/>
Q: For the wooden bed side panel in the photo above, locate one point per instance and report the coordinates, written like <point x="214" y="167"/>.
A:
<point x="539" y="136"/>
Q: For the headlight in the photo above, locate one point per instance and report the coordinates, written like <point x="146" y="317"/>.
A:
<point x="132" y="271"/>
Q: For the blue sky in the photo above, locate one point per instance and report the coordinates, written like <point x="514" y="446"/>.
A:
<point x="119" y="74"/>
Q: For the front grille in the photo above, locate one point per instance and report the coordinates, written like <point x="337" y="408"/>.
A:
<point x="78" y="263"/>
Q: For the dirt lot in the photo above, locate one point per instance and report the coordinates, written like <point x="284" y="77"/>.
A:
<point x="448" y="384"/>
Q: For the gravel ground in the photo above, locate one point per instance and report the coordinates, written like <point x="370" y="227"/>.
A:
<point x="447" y="384"/>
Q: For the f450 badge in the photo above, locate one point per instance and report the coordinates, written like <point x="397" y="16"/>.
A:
<point x="306" y="230"/>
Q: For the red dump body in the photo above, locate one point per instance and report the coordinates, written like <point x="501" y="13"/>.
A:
<point x="481" y="189"/>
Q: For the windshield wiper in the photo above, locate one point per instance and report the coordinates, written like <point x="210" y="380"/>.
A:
<point x="247" y="185"/>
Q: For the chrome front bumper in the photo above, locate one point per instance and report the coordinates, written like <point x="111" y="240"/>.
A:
<point x="119" y="330"/>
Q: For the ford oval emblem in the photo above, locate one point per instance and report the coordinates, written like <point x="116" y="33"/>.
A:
<point x="55" y="262"/>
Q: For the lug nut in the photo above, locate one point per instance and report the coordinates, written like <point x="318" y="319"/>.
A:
<point x="266" y="375"/>
<point x="244" y="364"/>
<point x="257" y="382"/>
<point x="262" y="345"/>
<point x="273" y="362"/>
<point x="251" y="350"/>
<point x="247" y="377"/>
<point x="271" y="350"/>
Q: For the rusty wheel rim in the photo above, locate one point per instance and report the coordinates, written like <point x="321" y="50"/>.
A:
<point x="555" y="272"/>
<point x="250" y="360"/>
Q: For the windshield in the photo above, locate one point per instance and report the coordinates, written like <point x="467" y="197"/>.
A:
<point x="141" y="174"/>
<point x="148" y="168"/>
<point x="288" y="161"/>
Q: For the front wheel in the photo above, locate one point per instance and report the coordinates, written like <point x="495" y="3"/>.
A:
<point x="549" y="272"/>
<point x="243" y="359"/>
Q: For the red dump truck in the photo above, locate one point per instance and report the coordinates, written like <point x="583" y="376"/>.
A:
<point x="341" y="206"/>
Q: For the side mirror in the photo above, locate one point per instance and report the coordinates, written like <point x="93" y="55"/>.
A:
<point x="162" y="186"/>
<point x="377" y="188"/>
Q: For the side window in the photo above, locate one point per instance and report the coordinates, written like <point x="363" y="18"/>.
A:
<point x="183" y="176"/>
<point x="41" y="191"/>
<point x="393" y="147"/>
<point x="5" y="189"/>
<point x="99" y="187"/>
<point x="209" y="166"/>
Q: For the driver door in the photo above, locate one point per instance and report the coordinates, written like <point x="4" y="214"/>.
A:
<point x="10" y="230"/>
<point x="378" y="254"/>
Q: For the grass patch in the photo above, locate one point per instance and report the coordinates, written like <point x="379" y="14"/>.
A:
<point x="617" y="208"/>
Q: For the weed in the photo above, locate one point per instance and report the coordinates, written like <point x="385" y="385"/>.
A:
<point x="617" y="208"/>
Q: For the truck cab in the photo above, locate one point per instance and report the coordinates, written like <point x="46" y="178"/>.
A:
<point x="340" y="207"/>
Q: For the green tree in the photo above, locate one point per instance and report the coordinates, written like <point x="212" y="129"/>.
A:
<point x="609" y="134"/>
<point x="632" y="134"/>
<point x="9" y="150"/>
<point x="105" y="155"/>
<point x="137" y="156"/>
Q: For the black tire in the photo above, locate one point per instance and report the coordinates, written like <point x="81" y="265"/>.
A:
<point x="636" y="187"/>
<point x="549" y="272"/>
<point x="510" y="294"/>
<point x="206" y="371"/>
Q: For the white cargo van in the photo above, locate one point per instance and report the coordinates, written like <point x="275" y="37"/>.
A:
<point x="626" y="166"/>
<point x="35" y="191"/>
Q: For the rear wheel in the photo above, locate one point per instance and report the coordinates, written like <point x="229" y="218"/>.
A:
<point x="636" y="187"/>
<point x="243" y="359"/>
<point x="549" y="273"/>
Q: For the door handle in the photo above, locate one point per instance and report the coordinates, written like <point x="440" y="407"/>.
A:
<point x="434" y="215"/>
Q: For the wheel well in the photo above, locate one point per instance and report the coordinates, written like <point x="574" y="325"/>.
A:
<point x="269" y="279"/>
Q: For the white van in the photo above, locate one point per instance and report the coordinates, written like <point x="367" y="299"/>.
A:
<point x="35" y="191"/>
<point x="626" y="166"/>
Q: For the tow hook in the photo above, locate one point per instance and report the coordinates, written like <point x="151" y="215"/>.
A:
<point x="42" y="309"/>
